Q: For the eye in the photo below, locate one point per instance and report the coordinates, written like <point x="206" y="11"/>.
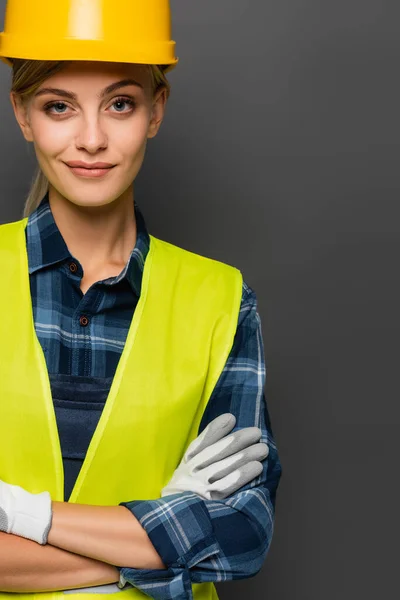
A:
<point x="129" y="101"/>
<point x="48" y="107"/>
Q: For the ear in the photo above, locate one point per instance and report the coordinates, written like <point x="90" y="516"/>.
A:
<point x="158" y="111"/>
<point x="21" y="115"/>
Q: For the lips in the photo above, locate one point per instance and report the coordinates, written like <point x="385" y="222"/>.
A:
<point x="82" y="165"/>
<point x="90" y="172"/>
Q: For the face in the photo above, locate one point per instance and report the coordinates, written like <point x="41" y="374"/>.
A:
<point x="86" y="122"/>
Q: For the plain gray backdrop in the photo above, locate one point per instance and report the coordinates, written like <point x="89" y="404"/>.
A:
<point x="279" y="154"/>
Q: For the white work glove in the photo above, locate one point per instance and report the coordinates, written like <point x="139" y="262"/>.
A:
<point x="215" y="466"/>
<point x="25" y="514"/>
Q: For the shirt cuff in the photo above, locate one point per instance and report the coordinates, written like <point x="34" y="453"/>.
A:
<point x="180" y="529"/>
<point x="160" y="584"/>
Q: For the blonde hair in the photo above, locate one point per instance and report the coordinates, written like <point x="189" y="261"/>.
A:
<point x="27" y="76"/>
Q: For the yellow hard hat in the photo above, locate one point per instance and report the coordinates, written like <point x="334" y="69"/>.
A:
<point x="133" y="31"/>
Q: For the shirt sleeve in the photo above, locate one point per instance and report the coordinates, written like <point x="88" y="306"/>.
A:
<point x="203" y="540"/>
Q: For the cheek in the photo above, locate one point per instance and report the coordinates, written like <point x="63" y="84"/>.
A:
<point x="129" y="140"/>
<point x="49" y="137"/>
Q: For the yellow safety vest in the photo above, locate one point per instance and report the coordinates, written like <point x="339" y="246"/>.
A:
<point x="178" y="342"/>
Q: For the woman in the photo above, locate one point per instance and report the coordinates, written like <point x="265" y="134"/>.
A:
<point x="117" y="358"/>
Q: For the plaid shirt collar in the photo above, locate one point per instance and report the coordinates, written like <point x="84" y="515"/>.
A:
<point x="46" y="246"/>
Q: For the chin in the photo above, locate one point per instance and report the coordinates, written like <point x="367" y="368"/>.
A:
<point x="91" y="196"/>
<point x="97" y="200"/>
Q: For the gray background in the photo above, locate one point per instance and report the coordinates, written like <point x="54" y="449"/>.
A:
<point x="279" y="154"/>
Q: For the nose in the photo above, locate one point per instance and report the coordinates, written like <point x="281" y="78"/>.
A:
<point x="92" y="136"/>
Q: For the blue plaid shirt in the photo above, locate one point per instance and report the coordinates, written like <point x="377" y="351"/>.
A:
<point x="198" y="540"/>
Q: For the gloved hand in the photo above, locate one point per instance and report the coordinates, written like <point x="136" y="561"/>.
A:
<point x="25" y="514"/>
<point x="215" y="466"/>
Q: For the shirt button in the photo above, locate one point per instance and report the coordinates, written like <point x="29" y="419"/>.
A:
<point x="73" y="267"/>
<point x="83" y="321"/>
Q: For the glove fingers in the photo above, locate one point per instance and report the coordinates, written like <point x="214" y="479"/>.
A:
<point x="217" y="429"/>
<point x="220" y="469"/>
<point x="234" y="481"/>
<point x="235" y="442"/>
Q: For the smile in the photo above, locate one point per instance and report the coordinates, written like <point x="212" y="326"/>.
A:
<point x="89" y="173"/>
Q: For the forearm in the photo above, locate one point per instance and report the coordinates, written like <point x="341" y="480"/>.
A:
<point x="109" y="534"/>
<point x="26" y="566"/>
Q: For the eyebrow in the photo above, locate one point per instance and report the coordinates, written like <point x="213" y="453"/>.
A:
<point x="108" y="90"/>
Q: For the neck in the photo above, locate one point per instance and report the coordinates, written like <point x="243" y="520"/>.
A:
<point x="100" y="237"/>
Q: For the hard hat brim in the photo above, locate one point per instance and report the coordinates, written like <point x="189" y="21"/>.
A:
<point x="86" y="50"/>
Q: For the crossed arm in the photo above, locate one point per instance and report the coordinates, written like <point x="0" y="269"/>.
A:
<point x="26" y="566"/>
<point x="84" y="544"/>
<point x="110" y="534"/>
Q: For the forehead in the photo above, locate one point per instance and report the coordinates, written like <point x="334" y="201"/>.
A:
<point x="99" y="74"/>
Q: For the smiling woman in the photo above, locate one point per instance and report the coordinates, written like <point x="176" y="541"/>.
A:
<point x="119" y="469"/>
<point x="37" y="90"/>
